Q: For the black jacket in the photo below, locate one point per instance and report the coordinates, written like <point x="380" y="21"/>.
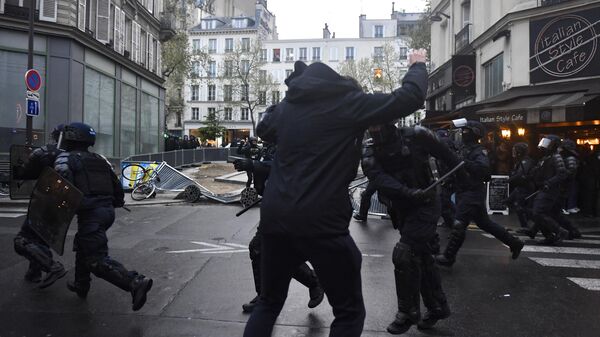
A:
<point x="478" y="171"/>
<point x="318" y="130"/>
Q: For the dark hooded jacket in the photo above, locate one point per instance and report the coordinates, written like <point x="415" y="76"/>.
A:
<point x="318" y="130"/>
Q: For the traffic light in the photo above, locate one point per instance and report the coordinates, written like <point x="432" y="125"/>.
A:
<point x="378" y="73"/>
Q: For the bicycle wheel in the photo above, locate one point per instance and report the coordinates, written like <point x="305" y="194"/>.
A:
<point x="143" y="191"/>
<point x="133" y="172"/>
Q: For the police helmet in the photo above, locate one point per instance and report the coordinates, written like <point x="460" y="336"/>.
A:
<point x="56" y="131"/>
<point x="476" y="128"/>
<point x="442" y="133"/>
<point x="569" y="145"/>
<point x="549" y="143"/>
<point x="79" y="133"/>
<point x="520" y="149"/>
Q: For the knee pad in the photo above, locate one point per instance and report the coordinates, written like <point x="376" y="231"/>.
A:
<point x="402" y="256"/>
<point x="458" y="229"/>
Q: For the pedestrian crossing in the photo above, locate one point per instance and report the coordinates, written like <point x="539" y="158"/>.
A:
<point x="12" y="212"/>
<point x="559" y="256"/>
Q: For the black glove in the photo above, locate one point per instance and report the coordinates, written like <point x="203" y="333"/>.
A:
<point x="420" y="195"/>
<point x="243" y="165"/>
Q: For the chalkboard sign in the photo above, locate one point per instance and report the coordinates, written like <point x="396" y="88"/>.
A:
<point x="497" y="192"/>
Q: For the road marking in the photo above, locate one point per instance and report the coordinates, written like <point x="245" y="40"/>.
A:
<point x="591" y="242"/>
<point x="561" y="250"/>
<point x="567" y="263"/>
<point x="225" y="248"/>
<point x="586" y="283"/>
<point x="372" y="255"/>
<point x="585" y="236"/>
<point x="11" y="215"/>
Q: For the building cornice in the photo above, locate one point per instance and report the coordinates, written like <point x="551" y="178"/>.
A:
<point x="59" y="30"/>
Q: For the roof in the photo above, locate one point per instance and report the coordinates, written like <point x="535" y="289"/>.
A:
<point x="226" y="24"/>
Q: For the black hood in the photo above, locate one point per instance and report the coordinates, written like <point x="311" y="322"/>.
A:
<point x="316" y="81"/>
<point x="299" y="68"/>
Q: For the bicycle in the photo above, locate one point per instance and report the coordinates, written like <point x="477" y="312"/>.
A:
<point x="144" y="180"/>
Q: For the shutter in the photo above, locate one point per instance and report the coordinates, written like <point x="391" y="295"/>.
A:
<point x="150" y="6"/>
<point x="150" y="53"/>
<point x="123" y="32"/>
<point x="1" y="6"/>
<point x="117" y="30"/>
<point x="48" y="10"/>
<point x="102" y="20"/>
<point x="136" y="35"/>
<point x="80" y="16"/>
<point x="158" y="59"/>
<point x="133" y="51"/>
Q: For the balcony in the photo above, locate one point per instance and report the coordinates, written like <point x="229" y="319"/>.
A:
<point x="550" y="2"/>
<point x="19" y="12"/>
<point x="168" y="27"/>
<point x="461" y="39"/>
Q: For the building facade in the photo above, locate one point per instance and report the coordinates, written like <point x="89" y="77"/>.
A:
<point x="523" y="68"/>
<point x="212" y="92"/>
<point x="100" y="62"/>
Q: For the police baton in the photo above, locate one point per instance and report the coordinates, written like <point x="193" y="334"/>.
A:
<point x="532" y="195"/>
<point x="125" y="208"/>
<point x="444" y="177"/>
<point x="248" y="207"/>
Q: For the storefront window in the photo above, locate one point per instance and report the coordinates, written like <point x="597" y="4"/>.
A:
<point x="13" y="107"/>
<point x="493" y="75"/>
<point x="128" y="97"/>
<point x="149" y="124"/>
<point x="99" y="109"/>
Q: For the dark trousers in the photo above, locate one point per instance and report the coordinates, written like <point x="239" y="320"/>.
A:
<point x="521" y="206"/>
<point x="474" y="210"/>
<point x="27" y="236"/>
<point x="365" y="200"/>
<point x="337" y="262"/>
<point x="448" y="208"/>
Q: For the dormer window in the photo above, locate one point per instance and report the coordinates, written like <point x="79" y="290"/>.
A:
<point x="209" y="24"/>
<point x="239" y="23"/>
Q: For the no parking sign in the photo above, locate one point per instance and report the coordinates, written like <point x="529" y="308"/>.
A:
<point x="33" y="81"/>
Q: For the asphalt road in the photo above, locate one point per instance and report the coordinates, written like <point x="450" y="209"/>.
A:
<point x="198" y="258"/>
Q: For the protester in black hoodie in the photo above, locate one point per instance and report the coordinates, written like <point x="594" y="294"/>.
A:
<point x="306" y="211"/>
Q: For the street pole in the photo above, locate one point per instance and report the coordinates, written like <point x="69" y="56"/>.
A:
<point x="29" y="134"/>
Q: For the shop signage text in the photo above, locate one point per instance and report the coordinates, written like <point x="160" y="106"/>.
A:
<point x="565" y="46"/>
<point x="518" y="117"/>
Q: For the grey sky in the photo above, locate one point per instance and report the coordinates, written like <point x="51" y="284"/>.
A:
<point x="306" y="18"/>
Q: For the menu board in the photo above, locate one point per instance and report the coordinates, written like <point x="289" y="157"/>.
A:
<point x="497" y="192"/>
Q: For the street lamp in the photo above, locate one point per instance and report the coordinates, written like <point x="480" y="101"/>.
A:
<point x="437" y="18"/>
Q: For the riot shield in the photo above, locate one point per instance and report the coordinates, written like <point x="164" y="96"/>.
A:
<point x="53" y="204"/>
<point x="20" y="188"/>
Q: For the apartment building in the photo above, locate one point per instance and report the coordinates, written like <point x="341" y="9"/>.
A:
<point x="100" y="62"/>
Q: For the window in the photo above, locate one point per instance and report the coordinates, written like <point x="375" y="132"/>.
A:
<point x="244" y="94"/>
<point x="403" y="53"/>
<point x="378" y="53"/>
<point x="465" y="12"/>
<point x="149" y="124"/>
<point x="333" y="54"/>
<point x="211" y="112"/>
<point x="263" y="55"/>
<point x="275" y="97"/>
<point x="493" y="76"/>
<point x="288" y="72"/>
<point x="316" y="55"/>
<point x="289" y="54"/>
<point x="276" y="55"/>
<point x="195" y="93"/>
<point x="245" y="66"/>
<point x="378" y="31"/>
<point x="195" y="69"/>
<point x="128" y="104"/>
<point x="228" y="45"/>
<point x="245" y="44"/>
<point x="262" y="98"/>
<point x="212" y="46"/>
<point x="402" y="30"/>
<point x="195" y="114"/>
<point x="99" y="107"/>
<point x="239" y="23"/>
<point x="349" y="53"/>
<point x="244" y="114"/>
<point x="196" y="45"/>
<point x="227" y="93"/>
<point x="227" y="114"/>
<point x="262" y="76"/>
<point x="228" y="68"/>
<point x="211" y="92"/>
<point x="302" y="56"/>
<point x="212" y="69"/>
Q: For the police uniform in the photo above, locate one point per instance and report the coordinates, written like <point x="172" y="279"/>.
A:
<point x="27" y="243"/>
<point x="470" y="198"/>
<point x="102" y="192"/>
<point x="400" y="169"/>
<point x="251" y="151"/>
<point x="521" y="182"/>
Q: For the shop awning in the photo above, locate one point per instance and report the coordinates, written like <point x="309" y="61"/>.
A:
<point x="543" y="101"/>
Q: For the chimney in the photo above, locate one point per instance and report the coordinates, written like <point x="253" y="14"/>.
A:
<point x="393" y="3"/>
<point x="333" y="36"/>
<point x="326" y="32"/>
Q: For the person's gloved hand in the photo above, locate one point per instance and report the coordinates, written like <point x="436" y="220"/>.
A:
<point x="420" y="195"/>
<point x="243" y="164"/>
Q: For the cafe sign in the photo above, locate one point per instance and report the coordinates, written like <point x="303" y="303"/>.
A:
<point x="565" y="46"/>
<point x="504" y="118"/>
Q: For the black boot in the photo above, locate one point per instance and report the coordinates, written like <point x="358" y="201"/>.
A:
<point x="433" y="316"/>
<point x="402" y="323"/>
<point x="407" y="278"/>
<point x="34" y="273"/>
<point x="516" y="246"/>
<point x="305" y="275"/>
<point x="248" y="307"/>
<point x="527" y="231"/>
<point x="140" y="287"/>
<point x="57" y="271"/>
<point x="80" y="288"/>
<point x="457" y="238"/>
<point x="432" y="294"/>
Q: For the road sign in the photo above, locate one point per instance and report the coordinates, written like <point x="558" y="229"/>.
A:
<point x="33" y="80"/>
<point x="33" y="107"/>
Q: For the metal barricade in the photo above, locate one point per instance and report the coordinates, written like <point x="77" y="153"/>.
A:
<point x="355" y="190"/>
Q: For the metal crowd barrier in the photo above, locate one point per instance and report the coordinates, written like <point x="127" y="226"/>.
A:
<point x="178" y="158"/>
<point x="355" y="190"/>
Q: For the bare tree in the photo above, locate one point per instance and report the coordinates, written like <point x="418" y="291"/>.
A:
<point x="388" y="63"/>
<point x="361" y="71"/>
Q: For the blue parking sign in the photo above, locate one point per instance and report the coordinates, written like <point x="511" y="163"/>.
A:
<point x="33" y="107"/>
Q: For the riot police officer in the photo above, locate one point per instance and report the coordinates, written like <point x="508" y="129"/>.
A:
<point x="548" y="175"/>
<point x="471" y="195"/>
<point x="250" y="150"/>
<point x="303" y="274"/>
<point x="568" y="151"/>
<point x="398" y="164"/>
<point x="448" y="208"/>
<point x="523" y="186"/>
<point x="102" y="192"/>
<point x="27" y="243"/>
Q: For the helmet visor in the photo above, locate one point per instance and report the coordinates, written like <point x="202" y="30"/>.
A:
<point x="544" y="143"/>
